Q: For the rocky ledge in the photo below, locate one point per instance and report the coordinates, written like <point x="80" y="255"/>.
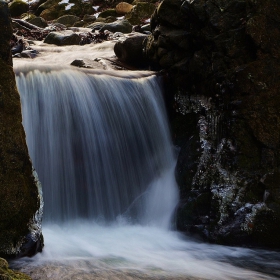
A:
<point x="222" y="63"/>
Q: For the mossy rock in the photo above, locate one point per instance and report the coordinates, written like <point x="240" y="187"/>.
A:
<point x="19" y="196"/>
<point x="67" y="20"/>
<point x="108" y="13"/>
<point x="89" y="18"/>
<point x="38" y="21"/>
<point x="8" y="274"/>
<point x="18" y="7"/>
<point x="79" y="23"/>
<point x="140" y="12"/>
<point x="51" y="9"/>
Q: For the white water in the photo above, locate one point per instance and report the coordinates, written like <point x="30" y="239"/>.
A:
<point x="102" y="150"/>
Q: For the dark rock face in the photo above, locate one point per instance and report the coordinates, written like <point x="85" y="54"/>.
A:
<point x="130" y="50"/>
<point x="21" y="205"/>
<point x="222" y="57"/>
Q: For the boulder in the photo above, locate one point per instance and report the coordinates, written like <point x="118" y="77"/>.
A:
<point x="108" y="13"/>
<point x="224" y="85"/>
<point x="38" y="21"/>
<point x="68" y="20"/>
<point x="123" y="8"/>
<point x="89" y="18"/>
<point x="18" y="7"/>
<point x="140" y="12"/>
<point x="20" y="192"/>
<point x="96" y="26"/>
<point x="62" y="39"/>
<point x="53" y="9"/>
<point x="117" y="26"/>
<point x="130" y="50"/>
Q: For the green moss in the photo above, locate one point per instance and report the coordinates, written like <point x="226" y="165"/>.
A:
<point x="8" y="274"/>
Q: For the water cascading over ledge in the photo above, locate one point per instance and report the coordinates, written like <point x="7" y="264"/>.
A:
<point x="100" y="145"/>
<point x="103" y="153"/>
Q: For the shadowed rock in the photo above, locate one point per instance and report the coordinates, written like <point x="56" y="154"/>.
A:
<point x="21" y="205"/>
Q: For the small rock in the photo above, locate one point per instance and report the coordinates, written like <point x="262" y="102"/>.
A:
<point x="68" y="20"/>
<point x="78" y="63"/>
<point x="61" y="39"/>
<point x="117" y="26"/>
<point x="123" y="8"/>
<point x="39" y="21"/>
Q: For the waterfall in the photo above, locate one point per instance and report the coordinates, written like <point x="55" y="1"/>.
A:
<point x="100" y="145"/>
<point x="102" y="150"/>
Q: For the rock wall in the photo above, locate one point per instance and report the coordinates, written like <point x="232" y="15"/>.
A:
<point x="21" y="204"/>
<point x="222" y="63"/>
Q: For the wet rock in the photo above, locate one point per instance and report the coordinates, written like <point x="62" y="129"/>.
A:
<point x="78" y="63"/>
<point x="62" y="39"/>
<point x="224" y="73"/>
<point x="96" y="26"/>
<point x="21" y="204"/>
<point x="118" y="26"/>
<point x="29" y="54"/>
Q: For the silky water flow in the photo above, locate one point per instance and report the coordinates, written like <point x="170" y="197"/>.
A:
<point x="102" y="149"/>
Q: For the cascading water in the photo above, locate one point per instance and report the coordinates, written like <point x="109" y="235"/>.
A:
<point x="102" y="150"/>
<point x="100" y="145"/>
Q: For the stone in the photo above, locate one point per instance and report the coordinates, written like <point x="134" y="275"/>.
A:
<point x="96" y="25"/>
<point x="108" y="13"/>
<point x="39" y="21"/>
<point x="130" y="50"/>
<point x="62" y="39"/>
<point x="20" y="195"/>
<point x="18" y="7"/>
<point x="118" y="26"/>
<point x="140" y="12"/>
<point x="53" y="9"/>
<point x="123" y="8"/>
<point x="68" y="20"/>
<point x="89" y="18"/>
